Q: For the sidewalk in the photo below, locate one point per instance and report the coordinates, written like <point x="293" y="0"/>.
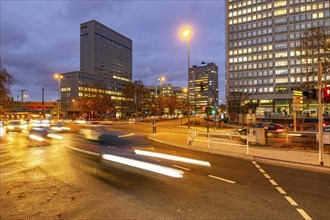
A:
<point x="293" y="158"/>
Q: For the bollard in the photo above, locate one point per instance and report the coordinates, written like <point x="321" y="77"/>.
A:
<point x="154" y="126"/>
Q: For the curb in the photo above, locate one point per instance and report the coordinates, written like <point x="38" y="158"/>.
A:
<point x="208" y="150"/>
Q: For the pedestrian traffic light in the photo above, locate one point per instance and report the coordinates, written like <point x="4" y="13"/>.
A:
<point x="202" y="85"/>
<point x="312" y="93"/>
<point x="326" y="94"/>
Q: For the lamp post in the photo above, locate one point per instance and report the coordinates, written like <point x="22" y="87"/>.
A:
<point x="161" y="79"/>
<point x="59" y="77"/>
<point x="186" y="34"/>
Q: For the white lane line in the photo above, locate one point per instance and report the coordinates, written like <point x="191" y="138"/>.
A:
<point x="291" y="201"/>
<point x="273" y="182"/>
<point x="184" y="168"/>
<point x="267" y="176"/>
<point x="218" y="178"/>
<point x="304" y="214"/>
<point x="280" y="190"/>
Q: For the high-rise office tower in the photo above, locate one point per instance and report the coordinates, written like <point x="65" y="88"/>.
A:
<point x="262" y="66"/>
<point x="105" y="68"/>
<point x="203" y="86"/>
<point x="105" y="52"/>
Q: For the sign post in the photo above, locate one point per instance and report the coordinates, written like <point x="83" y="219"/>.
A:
<point x="297" y="106"/>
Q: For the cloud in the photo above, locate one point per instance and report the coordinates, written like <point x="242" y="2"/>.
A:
<point x="39" y="38"/>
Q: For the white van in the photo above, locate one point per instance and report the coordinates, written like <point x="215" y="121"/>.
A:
<point x="309" y="113"/>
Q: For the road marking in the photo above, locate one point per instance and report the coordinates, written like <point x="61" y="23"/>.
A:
<point x="218" y="178"/>
<point x="262" y="171"/>
<point x="267" y="176"/>
<point x="273" y="182"/>
<point x="280" y="190"/>
<point x="291" y="201"/>
<point x="184" y="168"/>
<point x="304" y="214"/>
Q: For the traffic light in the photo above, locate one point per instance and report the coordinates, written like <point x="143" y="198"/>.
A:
<point x="213" y="111"/>
<point x="202" y="85"/>
<point x="312" y="93"/>
<point x="326" y="94"/>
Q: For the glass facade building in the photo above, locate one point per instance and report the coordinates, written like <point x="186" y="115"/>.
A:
<point x="262" y="65"/>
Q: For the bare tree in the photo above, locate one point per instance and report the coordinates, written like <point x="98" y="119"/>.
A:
<point x="314" y="46"/>
<point x="137" y="92"/>
<point x="6" y="79"/>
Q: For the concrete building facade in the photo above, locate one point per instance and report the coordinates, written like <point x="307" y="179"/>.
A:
<point x="207" y="75"/>
<point x="105" y="68"/>
<point x="262" y="66"/>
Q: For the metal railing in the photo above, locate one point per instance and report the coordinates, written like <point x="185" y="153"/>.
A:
<point x="210" y="138"/>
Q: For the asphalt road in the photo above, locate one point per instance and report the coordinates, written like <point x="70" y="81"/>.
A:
<point x="69" y="179"/>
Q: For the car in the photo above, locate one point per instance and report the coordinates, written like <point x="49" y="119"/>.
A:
<point x="15" y="125"/>
<point x="275" y="129"/>
<point x="131" y="120"/>
<point x="93" y="133"/>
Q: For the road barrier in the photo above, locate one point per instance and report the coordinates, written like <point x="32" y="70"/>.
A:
<point x="217" y="139"/>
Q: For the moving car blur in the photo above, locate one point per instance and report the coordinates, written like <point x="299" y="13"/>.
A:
<point x="15" y="126"/>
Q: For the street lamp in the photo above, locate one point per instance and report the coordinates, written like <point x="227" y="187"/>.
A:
<point x="186" y="33"/>
<point x="59" y="77"/>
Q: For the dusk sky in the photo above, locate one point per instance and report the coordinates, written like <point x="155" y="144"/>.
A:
<point x="41" y="38"/>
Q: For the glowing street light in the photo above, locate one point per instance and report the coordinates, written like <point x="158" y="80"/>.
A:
<point x="59" y="77"/>
<point x="186" y="33"/>
<point x="161" y="79"/>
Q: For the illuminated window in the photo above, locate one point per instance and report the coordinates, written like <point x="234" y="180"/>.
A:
<point x="280" y="3"/>
<point x="280" y="12"/>
<point x="281" y="54"/>
<point x="281" y="63"/>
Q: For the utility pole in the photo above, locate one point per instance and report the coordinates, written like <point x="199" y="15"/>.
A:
<point x="43" y="103"/>
<point x="320" y="111"/>
<point x="22" y="94"/>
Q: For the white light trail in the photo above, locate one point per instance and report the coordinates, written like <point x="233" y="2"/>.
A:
<point x="144" y="165"/>
<point x="35" y="137"/>
<point x="174" y="158"/>
<point x="55" y="136"/>
<point x="126" y="135"/>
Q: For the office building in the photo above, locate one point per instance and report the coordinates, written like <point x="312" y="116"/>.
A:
<point x="203" y="75"/>
<point x="262" y="66"/>
<point x="105" y="68"/>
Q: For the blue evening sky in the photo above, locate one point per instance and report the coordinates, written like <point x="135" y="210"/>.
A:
<point x="40" y="38"/>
